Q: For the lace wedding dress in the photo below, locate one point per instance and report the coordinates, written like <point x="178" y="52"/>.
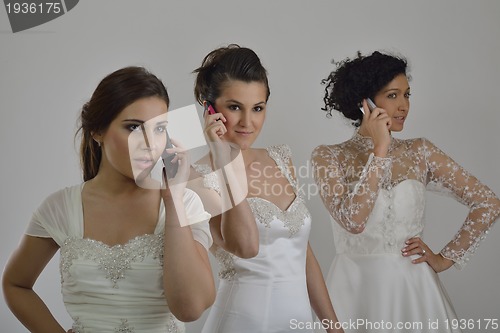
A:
<point x="377" y="204"/>
<point x="265" y="294"/>
<point x="110" y="289"/>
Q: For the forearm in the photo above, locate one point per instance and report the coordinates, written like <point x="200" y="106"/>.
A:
<point x="356" y="207"/>
<point x="30" y="310"/>
<point x="187" y="276"/>
<point x="318" y="294"/>
<point x="484" y="205"/>
<point x="19" y="276"/>
<point x="445" y="262"/>
<point x="480" y="219"/>
<point x="350" y="207"/>
<point x="238" y="230"/>
<point x="232" y="181"/>
<point x="240" y="235"/>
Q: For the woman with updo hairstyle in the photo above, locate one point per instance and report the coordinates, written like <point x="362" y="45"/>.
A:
<point x="133" y="252"/>
<point x="269" y="276"/>
<point x="373" y="185"/>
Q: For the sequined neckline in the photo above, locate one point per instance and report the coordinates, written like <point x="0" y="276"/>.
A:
<point x="114" y="260"/>
<point x="290" y="205"/>
<point x="127" y="244"/>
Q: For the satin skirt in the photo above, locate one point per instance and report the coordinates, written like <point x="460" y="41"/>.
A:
<point x="387" y="293"/>
<point x="277" y="307"/>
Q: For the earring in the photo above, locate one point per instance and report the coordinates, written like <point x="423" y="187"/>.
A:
<point x="98" y="142"/>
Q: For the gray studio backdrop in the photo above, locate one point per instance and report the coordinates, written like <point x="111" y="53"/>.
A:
<point x="48" y="72"/>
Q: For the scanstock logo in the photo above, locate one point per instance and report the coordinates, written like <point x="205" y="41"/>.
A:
<point x="26" y="14"/>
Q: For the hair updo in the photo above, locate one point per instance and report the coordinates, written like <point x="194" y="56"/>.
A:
<point x="225" y="64"/>
<point x="356" y="79"/>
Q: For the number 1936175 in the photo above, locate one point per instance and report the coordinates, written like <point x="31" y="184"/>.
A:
<point x="472" y="324"/>
<point x="33" y="8"/>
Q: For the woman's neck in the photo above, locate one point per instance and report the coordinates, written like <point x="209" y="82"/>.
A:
<point x="363" y="132"/>
<point x="249" y="156"/>
<point x="115" y="185"/>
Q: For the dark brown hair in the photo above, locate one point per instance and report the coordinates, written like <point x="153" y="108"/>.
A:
<point x="114" y="93"/>
<point x="224" y="64"/>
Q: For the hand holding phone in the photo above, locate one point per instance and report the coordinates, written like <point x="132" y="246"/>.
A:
<point x="371" y="106"/>
<point x="377" y="127"/>
<point x="214" y="122"/>
<point x="170" y="168"/>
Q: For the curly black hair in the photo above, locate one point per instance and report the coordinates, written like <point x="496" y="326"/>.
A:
<point x="357" y="79"/>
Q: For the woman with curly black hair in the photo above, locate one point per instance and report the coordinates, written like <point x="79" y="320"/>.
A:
<point x="373" y="186"/>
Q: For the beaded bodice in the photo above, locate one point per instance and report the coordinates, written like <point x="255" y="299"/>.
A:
<point x="112" y="261"/>
<point x="283" y="234"/>
<point x="129" y="275"/>
<point x="382" y="200"/>
<point x="117" y="288"/>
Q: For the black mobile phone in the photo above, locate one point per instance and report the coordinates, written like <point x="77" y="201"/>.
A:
<point x="170" y="168"/>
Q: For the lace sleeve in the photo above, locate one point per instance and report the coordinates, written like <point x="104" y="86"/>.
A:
<point x="350" y="207"/>
<point x="484" y="205"/>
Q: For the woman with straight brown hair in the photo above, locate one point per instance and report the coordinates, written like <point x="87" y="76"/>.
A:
<point x="128" y="262"/>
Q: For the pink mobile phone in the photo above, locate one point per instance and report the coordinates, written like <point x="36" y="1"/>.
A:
<point x="209" y="108"/>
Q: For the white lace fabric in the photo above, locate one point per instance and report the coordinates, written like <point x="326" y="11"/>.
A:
<point x="351" y="179"/>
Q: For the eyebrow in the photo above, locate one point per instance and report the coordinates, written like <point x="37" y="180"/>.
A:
<point x="142" y="121"/>
<point x="396" y="89"/>
<point x="237" y="102"/>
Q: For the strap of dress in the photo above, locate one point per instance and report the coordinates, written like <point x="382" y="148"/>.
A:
<point x="209" y="177"/>
<point x="281" y="155"/>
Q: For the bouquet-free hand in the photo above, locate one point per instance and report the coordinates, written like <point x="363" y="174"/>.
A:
<point x="416" y="246"/>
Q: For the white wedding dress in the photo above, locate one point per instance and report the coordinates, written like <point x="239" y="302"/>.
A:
<point x="110" y="289"/>
<point x="372" y="286"/>
<point x="267" y="293"/>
